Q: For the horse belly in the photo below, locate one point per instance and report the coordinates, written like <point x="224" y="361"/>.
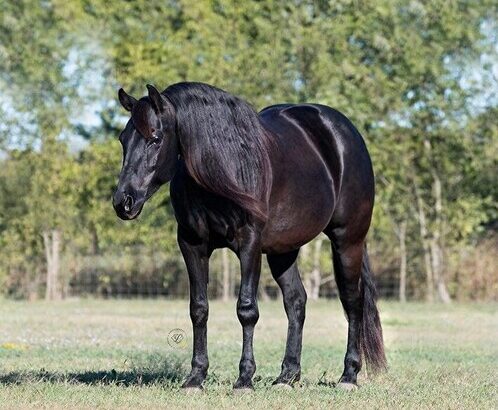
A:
<point x="301" y="206"/>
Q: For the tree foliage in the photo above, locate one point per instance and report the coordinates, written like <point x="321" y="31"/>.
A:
<point x="401" y="70"/>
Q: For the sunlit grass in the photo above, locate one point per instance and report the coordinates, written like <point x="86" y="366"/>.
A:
<point x="114" y="354"/>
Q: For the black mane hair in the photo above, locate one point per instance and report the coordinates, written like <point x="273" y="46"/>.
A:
<point x="223" y="144"/>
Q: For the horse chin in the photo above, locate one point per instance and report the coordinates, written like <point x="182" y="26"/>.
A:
<point x="137" y="212"/>
<point x="133" y="214"/>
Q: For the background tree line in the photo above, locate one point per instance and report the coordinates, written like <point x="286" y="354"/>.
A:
<point x="418" y="79"/>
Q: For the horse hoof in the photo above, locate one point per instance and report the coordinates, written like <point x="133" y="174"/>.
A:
<point x="282" y="386"/>
<point x="192" y="390"/>
<point x="347" y="386"/>
<point x="242" y="390"/>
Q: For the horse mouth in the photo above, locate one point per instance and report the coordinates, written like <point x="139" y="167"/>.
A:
<point x="128" y="215"/>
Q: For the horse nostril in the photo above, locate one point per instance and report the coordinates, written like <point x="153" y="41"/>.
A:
<point x="128" y="203"/>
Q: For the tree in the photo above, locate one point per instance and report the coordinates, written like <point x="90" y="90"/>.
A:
<point x="401" y="71"/>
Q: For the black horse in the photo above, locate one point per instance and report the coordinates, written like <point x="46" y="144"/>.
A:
<point x="266" y="183"/>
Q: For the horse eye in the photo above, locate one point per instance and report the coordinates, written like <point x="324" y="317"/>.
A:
<point x="155" y="138"/>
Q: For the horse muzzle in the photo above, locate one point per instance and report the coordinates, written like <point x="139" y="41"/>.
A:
<point x="127" y="207"/>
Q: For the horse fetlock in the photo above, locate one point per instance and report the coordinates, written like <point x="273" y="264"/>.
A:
<point x="352" y="363"/>
<point x="197" y="376"/>
<point x="247" y="368"/>
<point x="199" y="367"/>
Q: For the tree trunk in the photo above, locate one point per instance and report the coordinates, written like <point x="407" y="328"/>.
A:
<point x="304" y="257"/>
<point x="436" y="249"/>
<point x="51" y="240"/>
<point x="48" y="258"/>
<point x="422" y="221"/>
<point x="226" y="274"/>
<point x="316" y="274"/>
<point x="402" y="261"/>
<point x="95" y="240"/>
<point x="263" y="294"/>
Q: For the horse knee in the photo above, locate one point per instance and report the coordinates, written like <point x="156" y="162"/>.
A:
<point x="247" y="312"/>
<point x="199" y="313"/>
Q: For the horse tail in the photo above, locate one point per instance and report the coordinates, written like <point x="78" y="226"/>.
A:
<point x="371" y="340"/>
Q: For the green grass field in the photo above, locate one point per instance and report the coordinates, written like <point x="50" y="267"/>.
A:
<point x="115" y="354"/>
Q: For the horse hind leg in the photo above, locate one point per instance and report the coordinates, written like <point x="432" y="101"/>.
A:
<point x="357" y="294"/>
<point x="285" y="272"/>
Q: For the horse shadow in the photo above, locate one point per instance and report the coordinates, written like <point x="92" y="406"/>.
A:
<point x="166" y="371"/>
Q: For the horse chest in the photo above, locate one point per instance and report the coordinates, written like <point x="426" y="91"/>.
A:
<point x="205" y="215"/>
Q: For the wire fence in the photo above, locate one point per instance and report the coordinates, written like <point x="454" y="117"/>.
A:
<point x="143" y="272"/>
<point x="158" y="276"/>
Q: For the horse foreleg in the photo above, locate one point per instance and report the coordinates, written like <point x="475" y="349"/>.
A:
<point x="197" y="260"/>
<point x="247" y="306"/>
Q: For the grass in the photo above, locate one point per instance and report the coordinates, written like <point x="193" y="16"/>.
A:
<point x="115" y="354"/>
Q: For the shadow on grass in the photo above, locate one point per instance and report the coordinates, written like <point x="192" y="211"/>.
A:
<point x="144" y="369"/>
<point x="156" y="370"/>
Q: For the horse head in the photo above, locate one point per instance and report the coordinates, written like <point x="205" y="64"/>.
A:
<point x="150" y="151"/>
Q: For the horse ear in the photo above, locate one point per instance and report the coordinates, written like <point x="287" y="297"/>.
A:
<point x="126" y="100"/>
<point x="156" y="98"/>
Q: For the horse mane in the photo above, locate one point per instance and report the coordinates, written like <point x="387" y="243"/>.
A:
<point x="223" y="144"/>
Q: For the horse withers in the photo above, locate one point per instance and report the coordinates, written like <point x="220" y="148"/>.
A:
<point x="257" y="183"/>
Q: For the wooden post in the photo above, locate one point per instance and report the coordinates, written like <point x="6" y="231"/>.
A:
<point x="51" y="241"/>
<point x="316" y="274"/>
